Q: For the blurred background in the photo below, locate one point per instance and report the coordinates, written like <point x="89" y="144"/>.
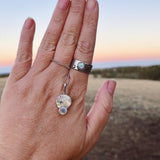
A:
<point x="127" y="49"/>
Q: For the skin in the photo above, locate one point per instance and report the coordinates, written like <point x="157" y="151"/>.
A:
<point x="30" y="126"/>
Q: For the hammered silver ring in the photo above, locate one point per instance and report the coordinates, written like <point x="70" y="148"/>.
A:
<point x="81" y="66"/>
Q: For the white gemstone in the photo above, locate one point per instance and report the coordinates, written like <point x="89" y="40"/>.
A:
<point x="63" y="101"/>
<point x="63" y="110"/>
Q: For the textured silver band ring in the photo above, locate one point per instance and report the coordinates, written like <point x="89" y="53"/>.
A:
<point x="81" y="66"/>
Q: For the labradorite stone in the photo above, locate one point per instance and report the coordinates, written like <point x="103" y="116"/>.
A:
<point x="81" y="65"/>
<point x="63" y="110"/>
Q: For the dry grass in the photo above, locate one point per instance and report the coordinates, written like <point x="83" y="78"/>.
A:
<point x="2" y="83"/>
<point x="129" y="93"/>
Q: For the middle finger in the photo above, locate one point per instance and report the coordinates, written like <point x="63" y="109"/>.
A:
<point x="68" y="41"/>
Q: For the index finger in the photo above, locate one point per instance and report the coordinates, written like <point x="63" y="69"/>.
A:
<point x="48" y="45"/>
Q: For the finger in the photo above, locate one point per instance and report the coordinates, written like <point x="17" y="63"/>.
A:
<point x="48" y="45"/>
<point x="70" y="35"/>
<point x="99" y="113"/>
<point x="24" y="54"/>
<point x="86" y="43"/>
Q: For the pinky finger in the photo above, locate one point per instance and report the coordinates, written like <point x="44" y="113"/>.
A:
<point x="24" y="54"/>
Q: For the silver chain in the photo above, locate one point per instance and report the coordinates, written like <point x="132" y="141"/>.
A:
<point x="66" y="78"/>
<point x="65" y="82"/>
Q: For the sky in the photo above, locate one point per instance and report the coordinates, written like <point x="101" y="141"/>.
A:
<point x="127" y="30"/>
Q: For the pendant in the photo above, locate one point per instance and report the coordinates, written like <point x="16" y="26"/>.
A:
<point x="63" y="103"/>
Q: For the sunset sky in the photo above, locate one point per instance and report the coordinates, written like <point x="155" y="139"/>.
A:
<point x="128" y="29"/>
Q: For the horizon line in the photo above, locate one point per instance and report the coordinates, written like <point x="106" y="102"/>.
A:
<point x="106" y="60"/>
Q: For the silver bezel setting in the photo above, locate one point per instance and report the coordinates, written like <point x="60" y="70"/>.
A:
<point x="86" y="67"/>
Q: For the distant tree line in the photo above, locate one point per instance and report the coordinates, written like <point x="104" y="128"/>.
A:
<point x="152" y="72"/>
<point x="4" y="75"/>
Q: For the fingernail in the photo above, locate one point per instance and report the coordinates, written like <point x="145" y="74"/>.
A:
<point x="91" y="4"/>
<point x="28" y="23"/>
<point x="111" y="86"/>
<point x="63" y="4"/>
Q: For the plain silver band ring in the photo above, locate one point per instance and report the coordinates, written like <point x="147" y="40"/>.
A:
<point x="81" y="66"/>
<point x="61" y="64"/>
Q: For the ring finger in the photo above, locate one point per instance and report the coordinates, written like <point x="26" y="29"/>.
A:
<point x="85" y="47"/>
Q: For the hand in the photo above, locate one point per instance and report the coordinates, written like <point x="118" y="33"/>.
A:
<point x="30" y="126"/>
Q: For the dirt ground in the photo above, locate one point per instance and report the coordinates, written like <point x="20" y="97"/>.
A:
<point x="133" y="131"/>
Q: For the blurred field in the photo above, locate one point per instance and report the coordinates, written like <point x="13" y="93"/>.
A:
<point x="133" y="131"/>
<point x="2" y="83"/>
<point x="129" y="92"/>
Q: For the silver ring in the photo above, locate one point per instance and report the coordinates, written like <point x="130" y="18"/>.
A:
<point x="81" y="66"/>
<point x="60" y="64"/>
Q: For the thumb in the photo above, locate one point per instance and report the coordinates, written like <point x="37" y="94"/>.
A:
<point x="99" y="113"/>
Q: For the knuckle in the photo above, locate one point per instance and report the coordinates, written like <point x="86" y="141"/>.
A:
<point x="90" y="21"/>
<point x="84" y="47"/>
<point x="69" y="39"/>
<point x="66" y="59"/>
<point x="24" y="88"/>
<point x="57" y="19"/>
<point x="106" y="104"/>
<point x="23" y="55"/>
<point x="78" y="94"/>
<point x="108" y="107"/>
<point x="19" y="68"/>
<point x="49" y="44"/>
<point x="43" y="57"/>
<point x="80" y="89"/>
<point x="76" y="8"/>
<point x="21" y="89"/>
